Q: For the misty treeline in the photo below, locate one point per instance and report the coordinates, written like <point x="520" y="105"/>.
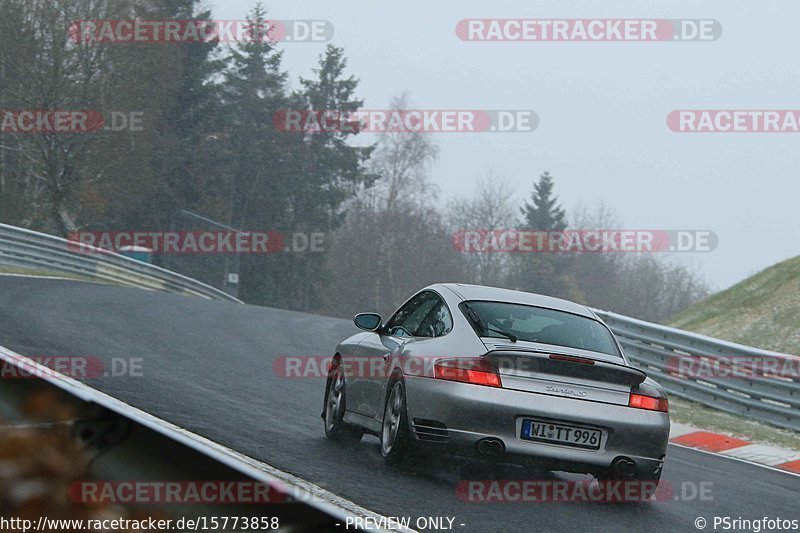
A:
<point x="208" y="145"/>
<point x="398" y="236"/>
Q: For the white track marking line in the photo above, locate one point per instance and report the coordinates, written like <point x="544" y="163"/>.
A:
<point x="732" y="458"/>
<point x="764" y="453"/>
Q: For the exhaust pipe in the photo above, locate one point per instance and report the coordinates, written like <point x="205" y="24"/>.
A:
<point x="491" y="447"/>
<point x="624" y="467"/>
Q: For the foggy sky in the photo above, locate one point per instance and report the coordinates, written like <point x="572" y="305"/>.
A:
<point x="602" y="108"/>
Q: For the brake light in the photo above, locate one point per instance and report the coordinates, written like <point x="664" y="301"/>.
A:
<point x="640" y="401"/>
<point x="572" y="359"/>
<point x="475" y="370"/>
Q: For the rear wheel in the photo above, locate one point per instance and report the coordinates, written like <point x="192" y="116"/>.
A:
<point x="335" y="404"/>
<point x="396" y="440"/>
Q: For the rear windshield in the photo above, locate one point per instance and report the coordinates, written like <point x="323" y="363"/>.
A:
<point x="539" y="324"/>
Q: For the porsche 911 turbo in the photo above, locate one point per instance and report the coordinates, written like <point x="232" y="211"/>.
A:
<point x="498" y="374"/>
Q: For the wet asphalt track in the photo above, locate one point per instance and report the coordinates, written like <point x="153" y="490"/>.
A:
<point x="207" y="366"/>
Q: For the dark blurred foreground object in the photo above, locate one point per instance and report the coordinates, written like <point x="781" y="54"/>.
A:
<point x="41" y="457"/>
<point x="50" y="442"/>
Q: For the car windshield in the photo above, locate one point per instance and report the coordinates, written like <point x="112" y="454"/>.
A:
<point x="540" y="324"/>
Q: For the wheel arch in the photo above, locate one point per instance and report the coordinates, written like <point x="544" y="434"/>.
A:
<point x="396" y="375"/>
<point x="335" y="362"/>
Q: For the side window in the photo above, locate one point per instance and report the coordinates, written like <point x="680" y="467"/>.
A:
<point x="425" y="315"/>
<point x="408" y="318"/>
<point x="438" y="322"/>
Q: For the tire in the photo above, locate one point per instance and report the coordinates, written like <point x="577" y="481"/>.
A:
<point x="396" y="440"/>
<point x="335" y="404"/>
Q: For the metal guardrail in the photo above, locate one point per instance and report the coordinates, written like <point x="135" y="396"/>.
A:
<point x="659" y="350"/>
<point x="33" y="250"/>
<point x="732" y="377"/>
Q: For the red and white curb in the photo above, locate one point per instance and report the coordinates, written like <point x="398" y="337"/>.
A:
<point x="764" y="454"/>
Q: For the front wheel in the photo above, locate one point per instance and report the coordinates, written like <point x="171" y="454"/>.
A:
<point x="335" y="403"/>
<point x="396" y="440"/>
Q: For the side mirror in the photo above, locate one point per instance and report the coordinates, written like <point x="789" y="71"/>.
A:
<point x="368" y="321"/>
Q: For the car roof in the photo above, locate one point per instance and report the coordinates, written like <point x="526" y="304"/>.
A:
<point x="496" y="294"/>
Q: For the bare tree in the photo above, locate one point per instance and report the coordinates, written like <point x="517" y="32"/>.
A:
<point x="644" y="285"/>
<point x="490" y="208"/>
<point x="53" y="71"/>
<point x="394" y="240"/>
<point x="402" y="160"/>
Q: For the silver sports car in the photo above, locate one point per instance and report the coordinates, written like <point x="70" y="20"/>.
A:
<point x="502" y="374"/>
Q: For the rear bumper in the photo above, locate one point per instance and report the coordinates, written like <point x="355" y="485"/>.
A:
<point x="465" y="414"/>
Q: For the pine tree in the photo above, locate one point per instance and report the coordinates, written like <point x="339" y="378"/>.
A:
<point x="259" y="161"/>
<point x="331" y="172"/>
<point x="184" y="153"/>
<point x="543" y="212"/>
<point x="544" y="272"/>
<point x="336" y="168"/>
<point x="254" y="90"/>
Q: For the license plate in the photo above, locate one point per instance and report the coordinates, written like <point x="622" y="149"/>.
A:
<point x="562" y="434"/>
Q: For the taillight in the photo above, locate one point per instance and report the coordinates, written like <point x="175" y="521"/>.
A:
<point x="640" y="401"/>
<point x="475" y="370"/>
